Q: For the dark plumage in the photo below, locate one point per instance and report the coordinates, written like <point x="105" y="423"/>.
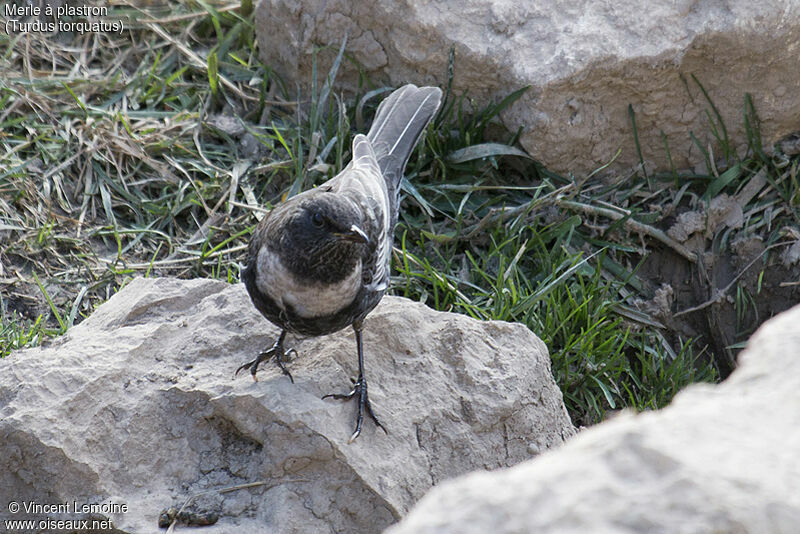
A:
<point x="320" y="261"/>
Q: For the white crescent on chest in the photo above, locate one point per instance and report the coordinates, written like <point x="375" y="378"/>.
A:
<point x="306" y="298"/>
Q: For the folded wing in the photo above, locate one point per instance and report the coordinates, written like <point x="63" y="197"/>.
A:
<point x="372" y="179"/>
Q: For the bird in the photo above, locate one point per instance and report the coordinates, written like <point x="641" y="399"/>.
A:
<point x="320" y="261"/>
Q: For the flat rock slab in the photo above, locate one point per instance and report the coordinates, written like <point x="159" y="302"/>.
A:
<point x="138" y="406"/>
<point x="718" y="459"/>
<point x="585" y="61"/>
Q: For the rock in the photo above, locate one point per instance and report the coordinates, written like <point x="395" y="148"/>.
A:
<point x="723" y="211"/>
<point x="137" y="406"/>
<point x="718" y="459"/>
<point x="791" y="255"/>
<point x="585" y="61"/>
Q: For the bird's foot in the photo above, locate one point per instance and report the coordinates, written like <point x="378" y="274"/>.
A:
<point x="277" y="351"/>
<point x="360" y="392"/>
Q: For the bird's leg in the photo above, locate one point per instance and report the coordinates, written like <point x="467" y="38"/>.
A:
<point x="275" y="350"/>
<point x="359" y="390"/>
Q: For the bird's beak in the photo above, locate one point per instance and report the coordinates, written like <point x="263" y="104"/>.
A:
<point x="354" y="234"/>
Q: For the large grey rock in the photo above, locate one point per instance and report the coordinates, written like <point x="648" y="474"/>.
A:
<point x="137" y="405"/>
<point x="718" y="459"/>
<point x="585" y="61"/>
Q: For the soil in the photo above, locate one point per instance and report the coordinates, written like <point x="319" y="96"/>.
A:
<point x="718" y="325"/>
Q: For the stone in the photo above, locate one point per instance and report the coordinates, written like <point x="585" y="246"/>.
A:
<point x="585" y="62"/>
<point x="138" y="406"/>
<point x="719" y="459"/>
<point x="722" y="212"/>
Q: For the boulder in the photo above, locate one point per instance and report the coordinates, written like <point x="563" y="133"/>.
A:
<point x="585" y="62"/>
<point x="718" y="459"/>
<point x="138" y="406"/>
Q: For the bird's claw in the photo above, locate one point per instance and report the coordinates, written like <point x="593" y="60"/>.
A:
<point x="343" y="396"/>
<point x="277" y="351"/>
<point x="360" y="391"/>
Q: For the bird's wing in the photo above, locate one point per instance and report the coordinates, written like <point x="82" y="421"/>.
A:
<point x="372" y="178"/>
<point x="363" y="183"/>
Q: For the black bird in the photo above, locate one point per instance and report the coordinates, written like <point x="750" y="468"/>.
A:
<point x="320" y="261"/>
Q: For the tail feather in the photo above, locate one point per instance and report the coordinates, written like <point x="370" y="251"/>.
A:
<point x="398" y="125"/>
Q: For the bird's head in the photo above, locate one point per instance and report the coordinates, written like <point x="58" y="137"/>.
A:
<point x="322" y="235"/>
<point x="324" y="220"/>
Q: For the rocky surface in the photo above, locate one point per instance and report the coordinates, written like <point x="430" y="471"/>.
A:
<point x="137" y="406"/>
<point x="585" y="61"/>
<point x="718" y="459"/>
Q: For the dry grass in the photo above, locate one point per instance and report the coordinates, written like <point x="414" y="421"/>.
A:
<point x="107" y="164"/>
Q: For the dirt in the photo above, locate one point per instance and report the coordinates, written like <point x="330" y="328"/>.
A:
<point x="717" y="322"/>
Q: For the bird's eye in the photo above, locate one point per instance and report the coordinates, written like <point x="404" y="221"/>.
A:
<point x="317" y="220"/>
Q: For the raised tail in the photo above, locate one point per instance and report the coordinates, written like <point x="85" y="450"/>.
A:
<point x="398" y="124"/>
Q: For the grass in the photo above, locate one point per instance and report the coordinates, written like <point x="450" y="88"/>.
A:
<point x="158" y="156"/>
